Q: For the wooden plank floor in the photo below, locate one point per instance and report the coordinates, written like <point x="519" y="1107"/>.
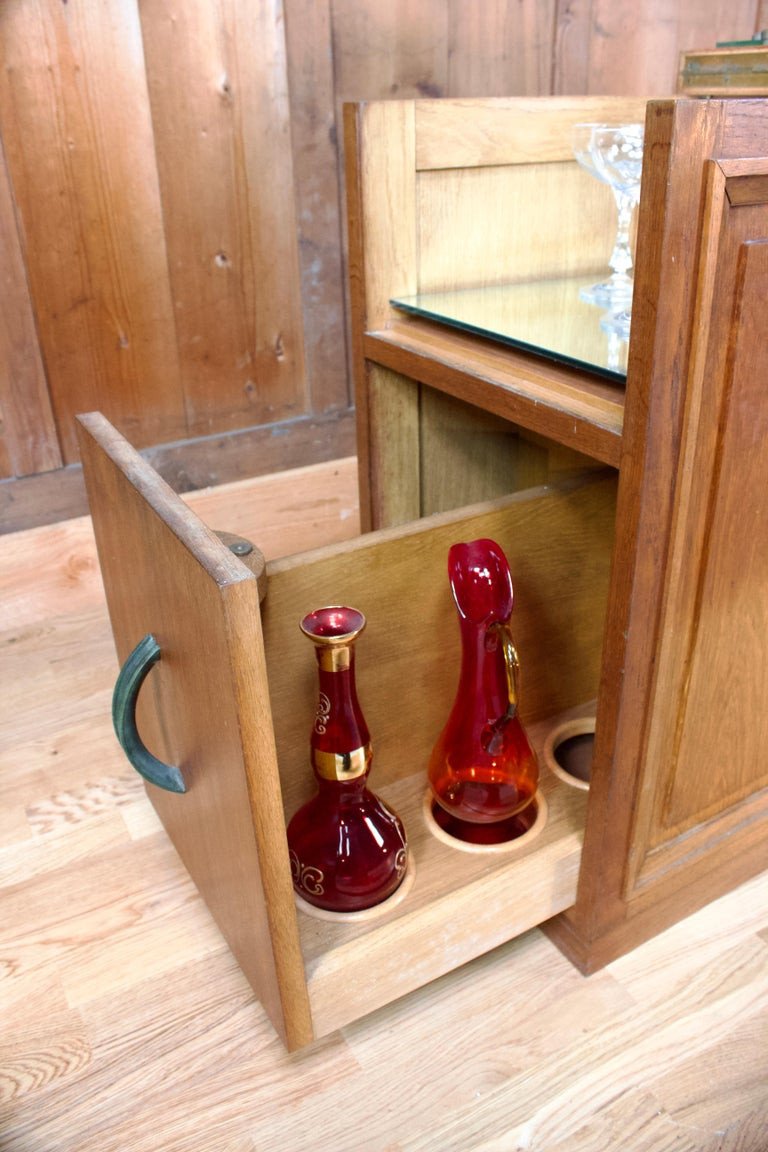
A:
<point x="125" y="1023"/>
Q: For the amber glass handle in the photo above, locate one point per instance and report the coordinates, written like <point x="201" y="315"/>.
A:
<point x="511" y="665"/>
<point x="132" y="675"/>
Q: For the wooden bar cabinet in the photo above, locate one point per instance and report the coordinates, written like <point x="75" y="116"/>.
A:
<point x="632" y="517"/>
<point x="466" y="194"/>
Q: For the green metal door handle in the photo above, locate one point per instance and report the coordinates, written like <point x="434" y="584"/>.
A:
<point x="132" y="675"/>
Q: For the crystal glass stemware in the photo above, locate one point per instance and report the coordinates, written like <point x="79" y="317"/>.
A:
<point x="613" y="154"/>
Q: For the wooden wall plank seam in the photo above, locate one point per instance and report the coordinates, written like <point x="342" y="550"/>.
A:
<point x="28" y="437"/>
<point x="80" y="152"/>
<point x="221" y="127"/>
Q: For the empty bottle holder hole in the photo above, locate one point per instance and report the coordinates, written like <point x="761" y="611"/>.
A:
<point x="568" y="751"/>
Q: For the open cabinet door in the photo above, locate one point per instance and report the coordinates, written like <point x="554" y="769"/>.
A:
<point x="680" y="770"/>
<point x="203" y="711"/>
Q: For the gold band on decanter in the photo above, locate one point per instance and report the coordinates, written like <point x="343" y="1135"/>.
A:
<point x="334" y="657"/>
<point x="342" y="765"/>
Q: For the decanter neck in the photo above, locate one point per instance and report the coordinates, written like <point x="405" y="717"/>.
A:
<point x="340" y="742"/>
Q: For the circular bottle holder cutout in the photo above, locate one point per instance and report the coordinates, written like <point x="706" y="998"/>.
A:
<point x="568" y="751"/>
<point x="504" y="836"/>
<point x="372" y="913"/>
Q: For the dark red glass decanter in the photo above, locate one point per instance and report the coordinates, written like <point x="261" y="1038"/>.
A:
<point x="348" y="849"/>
<point x="482" y="769"/>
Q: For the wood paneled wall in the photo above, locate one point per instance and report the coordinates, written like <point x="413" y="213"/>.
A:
<point x="171" y="213"/>
<point x="149" y="155"/>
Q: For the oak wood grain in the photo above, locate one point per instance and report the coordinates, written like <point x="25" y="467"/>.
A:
<point x="570" y="407"/>
<point x="78" y="142"/>
<point x="498" y="178"/>
<point x="675" y="786"/>
<point x="378" y="256"/>
<point x="470" y="134"/>
<point x="436" y="927"/>
<point x="674" y="475"/>
<point x="460" y="906"/>
<point x="145" y="121"/>
<point x="166" y="574"/>
<point x="232" y="711"/>
<point x="166" y="1047"/>
<point x="394" y="446"/>
<point x="28" y="439"/>
<point x="311" y="78"/>
<point x="231" y="236"/>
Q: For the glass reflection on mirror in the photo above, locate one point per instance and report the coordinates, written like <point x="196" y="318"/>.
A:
<point x="614" y="155"/>
<point x="568" y="320"/>
<point x="547" y="317"/>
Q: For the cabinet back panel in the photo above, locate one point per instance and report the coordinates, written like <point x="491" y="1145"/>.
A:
<point x="512" y="223"/>
<point x="499" y="180"/>
<point x="474" y="134"/>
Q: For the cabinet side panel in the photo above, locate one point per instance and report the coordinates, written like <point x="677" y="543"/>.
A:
<point x="381" y="219"/>
<point x="394" y="447"/>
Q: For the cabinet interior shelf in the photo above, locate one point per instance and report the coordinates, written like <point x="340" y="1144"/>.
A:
<point x="580" y="410"/>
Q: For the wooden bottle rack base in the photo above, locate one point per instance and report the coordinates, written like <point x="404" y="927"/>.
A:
<point x="460" y="905"/>
<point x="231" y="702"/>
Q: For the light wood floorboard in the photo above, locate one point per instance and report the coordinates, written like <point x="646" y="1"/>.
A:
<point x="126" y="1023"/>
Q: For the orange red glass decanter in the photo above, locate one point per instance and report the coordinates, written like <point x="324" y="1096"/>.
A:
<point x="483" y="772"/>
<point x="347" y="848"/>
